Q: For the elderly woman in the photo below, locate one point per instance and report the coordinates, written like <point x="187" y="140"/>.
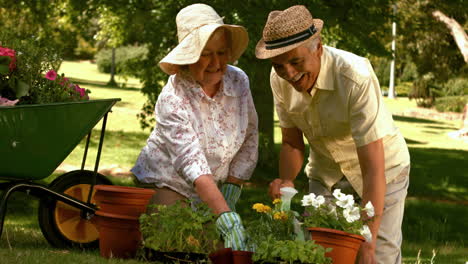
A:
<point x="204" y="145"/>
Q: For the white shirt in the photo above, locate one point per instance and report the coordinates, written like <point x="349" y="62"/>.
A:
<point x="346" y="111"/>
<point x="197" y="135"/>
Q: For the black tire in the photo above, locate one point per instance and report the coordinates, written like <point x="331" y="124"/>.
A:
<point x="63" y="225"/>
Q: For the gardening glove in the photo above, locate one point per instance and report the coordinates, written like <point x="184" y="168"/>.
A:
<point x="230" y="227"/>
<point x="231" y="193"/>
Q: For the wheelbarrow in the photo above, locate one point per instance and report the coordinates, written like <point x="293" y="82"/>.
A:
<point x="34" y="141"/>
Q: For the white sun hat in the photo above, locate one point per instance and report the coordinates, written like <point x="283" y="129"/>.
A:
<point x="195" y="25"/>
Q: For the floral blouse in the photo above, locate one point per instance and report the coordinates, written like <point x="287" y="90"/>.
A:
<point x="197" y="135"/>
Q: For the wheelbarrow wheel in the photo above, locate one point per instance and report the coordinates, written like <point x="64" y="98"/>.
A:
<point x="63" y="225"/>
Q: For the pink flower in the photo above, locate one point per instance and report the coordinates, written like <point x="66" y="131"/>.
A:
<point x="82" y="91"/>
<point x="6" y="102"/>
<point x="9" y="53"/>
<point x="51" y="75"/>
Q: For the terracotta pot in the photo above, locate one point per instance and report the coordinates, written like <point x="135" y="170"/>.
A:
<point x="242" y="257"/>
<point x="129" y="201"/>
<point x="344" y="245"/>
<point x="222" y="256"/>
<point x="117" y="219"/>
<point x="119" y="235"/>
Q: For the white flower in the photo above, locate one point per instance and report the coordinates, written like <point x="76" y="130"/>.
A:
<point x="366" y="233"/>
<point x="319" y="200"/>
<point x="369" y="209"/>
<point x="307" y="200"/>
<point x="338" y="194"/>
<point x="346" y="201"/>
<point x="351" y="214"/>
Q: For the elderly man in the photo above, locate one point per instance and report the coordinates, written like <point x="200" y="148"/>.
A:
<point x="333" y="98"/>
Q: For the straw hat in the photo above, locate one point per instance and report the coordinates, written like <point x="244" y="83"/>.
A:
<point x="286" y="30"/>
<point x="195" y="24"/>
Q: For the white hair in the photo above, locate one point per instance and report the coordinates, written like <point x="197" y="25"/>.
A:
<point x="313" y="44"/>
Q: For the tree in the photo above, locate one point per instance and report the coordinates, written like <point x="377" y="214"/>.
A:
<point x="427" y="43"/>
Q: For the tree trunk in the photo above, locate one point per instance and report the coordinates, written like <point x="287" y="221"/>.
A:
<point x="112" y="81"/>
<point x="457" y="31"/>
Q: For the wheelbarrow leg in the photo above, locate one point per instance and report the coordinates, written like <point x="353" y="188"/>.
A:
<point x="3" y="203"/>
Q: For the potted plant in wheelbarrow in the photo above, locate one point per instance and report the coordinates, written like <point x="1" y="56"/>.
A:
<point x="43" y="117"/>
<point x="178" y="233"/>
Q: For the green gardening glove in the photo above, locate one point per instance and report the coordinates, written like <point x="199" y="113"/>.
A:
<point x="231" y="193"/>
<point x="230" y="227"/>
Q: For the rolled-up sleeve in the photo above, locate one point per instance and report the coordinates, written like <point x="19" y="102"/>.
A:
<point x="181" y="140"/>
<point x="245" y="160"/>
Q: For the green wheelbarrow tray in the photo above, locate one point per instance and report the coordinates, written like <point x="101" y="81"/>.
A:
<point x="35" y="139"/>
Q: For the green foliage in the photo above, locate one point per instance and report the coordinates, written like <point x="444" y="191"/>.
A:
<point x="178" y="228"/>
<point x="456" y="86"/>
<point x="427" y="42"/>
<point x="274" y="221"/>
<point x="271" y="250"/>
<point x="127" y="59"/>
<point x="271" y="232"/>
<point x="451" y="103"/>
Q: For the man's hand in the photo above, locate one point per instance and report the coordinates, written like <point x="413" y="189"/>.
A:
<point x="366" y="254"/>
<point x="276" y="185"/>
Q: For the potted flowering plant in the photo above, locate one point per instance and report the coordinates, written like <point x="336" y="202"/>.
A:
<point x="27" y="77"/>
<point x="178" y="233"/>
<point x="339" y="224"/>
<point x="276" y="236"/>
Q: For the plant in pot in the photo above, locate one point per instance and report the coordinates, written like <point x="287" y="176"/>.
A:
<point x="339" y="224"/>
<point x="276" y="236"/>
<point x="27" y="75"/>
<point x="178" y="233"/>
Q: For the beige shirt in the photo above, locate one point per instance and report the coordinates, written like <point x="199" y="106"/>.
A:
<point x="345" y="110"/>
<point x="197" y="135"/>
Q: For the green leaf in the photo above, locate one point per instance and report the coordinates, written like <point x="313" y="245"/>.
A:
<point x="22" y="89"/>
<point x="4" y="69"/>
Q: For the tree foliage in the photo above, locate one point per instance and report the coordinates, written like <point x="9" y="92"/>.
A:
<point x="428" y="44"/>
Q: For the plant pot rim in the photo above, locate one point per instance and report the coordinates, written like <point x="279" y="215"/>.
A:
<point x="123" y="189"/>
<point x="336" y="231"/>
<point x="119" y="216"/>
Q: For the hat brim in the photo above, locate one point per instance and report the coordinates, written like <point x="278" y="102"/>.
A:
<point x="261" y="52"/>
<point x="188" y="51"/>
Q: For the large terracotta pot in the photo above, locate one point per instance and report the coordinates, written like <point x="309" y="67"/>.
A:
<point x="119" y="235"/>
<point x="344" y="245"/>
<point x="119" y="210"/>
<point x="129" y="201"/>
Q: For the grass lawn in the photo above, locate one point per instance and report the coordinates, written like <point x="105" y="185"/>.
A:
<point x="436" y="215"/>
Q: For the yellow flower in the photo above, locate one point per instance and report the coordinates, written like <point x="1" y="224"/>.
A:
<point x="277" y="200"/>
<point x="261" y="208"/>
<point x="280" y="216"/>
<point x="192" y="241"/>
<point x="266" y="208"/>
<point x="258" y="207"/>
